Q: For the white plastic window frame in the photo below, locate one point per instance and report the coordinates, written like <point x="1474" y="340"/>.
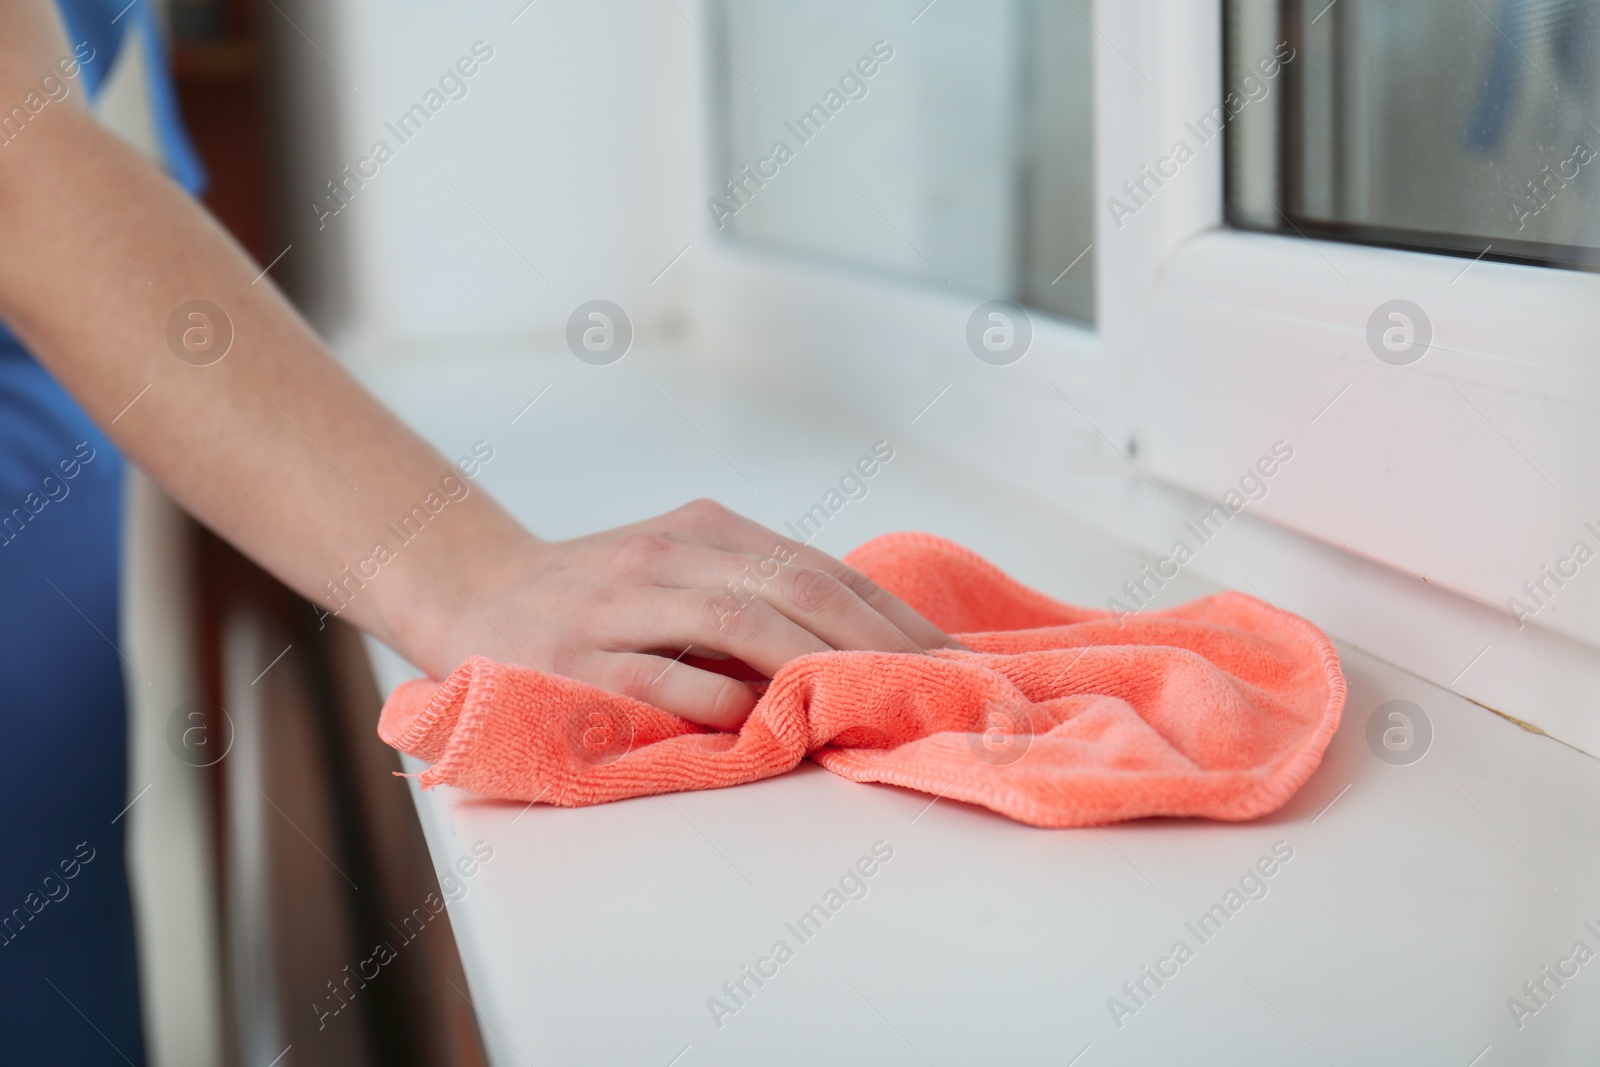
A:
<point x="1466" y="462"/>
<point x="1467" y="468"/>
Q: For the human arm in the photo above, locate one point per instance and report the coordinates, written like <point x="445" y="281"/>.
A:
<point x="281" y="452"/>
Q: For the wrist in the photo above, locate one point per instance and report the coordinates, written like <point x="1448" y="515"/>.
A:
<point x="436" y="616"/>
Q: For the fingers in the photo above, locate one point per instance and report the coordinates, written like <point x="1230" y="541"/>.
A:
<point x="831" y="610"/>
<point x="687" y="692"/>
<point x="674" y="594"/>
<point x="712" y="524"/>
<point x="750" y="629"/>
<point x="919" y="630"/>
<point x="797" y="612"/>
<point x="769" y="617"/>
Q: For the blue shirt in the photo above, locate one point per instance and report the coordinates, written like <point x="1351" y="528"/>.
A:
<point x="95" y="35"/>
<point x="35" y="413"/>
<point x="64" y="714"/>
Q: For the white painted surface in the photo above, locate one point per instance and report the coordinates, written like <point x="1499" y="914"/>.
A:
<point x="172" y="861"/>
<point x="558" y="171"/>
<point x="171" y="853"/>
<point x="1418" y="899"/>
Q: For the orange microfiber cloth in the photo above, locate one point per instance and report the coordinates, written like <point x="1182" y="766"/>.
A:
<point x="1059" y="716"/>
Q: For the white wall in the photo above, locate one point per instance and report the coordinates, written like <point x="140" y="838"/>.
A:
<point x="571" y="157"/>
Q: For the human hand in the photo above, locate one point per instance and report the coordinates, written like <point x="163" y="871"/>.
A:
<point x="620" y="609"/>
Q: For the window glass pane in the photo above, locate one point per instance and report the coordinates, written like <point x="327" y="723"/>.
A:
<point x="955" y="149"/>
<point x="1450" y="125"/>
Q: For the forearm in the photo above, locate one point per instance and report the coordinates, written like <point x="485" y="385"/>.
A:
<point x="274" y="446"/>
<point x="280" y="451"/>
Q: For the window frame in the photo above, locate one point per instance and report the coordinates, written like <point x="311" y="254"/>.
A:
<point x="1499" y="249"/>
<point x="1211" y="343"/>
<point x="1486" y="422"/>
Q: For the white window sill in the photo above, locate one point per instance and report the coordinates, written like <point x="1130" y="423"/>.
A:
<point x="1418" y="900"/>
